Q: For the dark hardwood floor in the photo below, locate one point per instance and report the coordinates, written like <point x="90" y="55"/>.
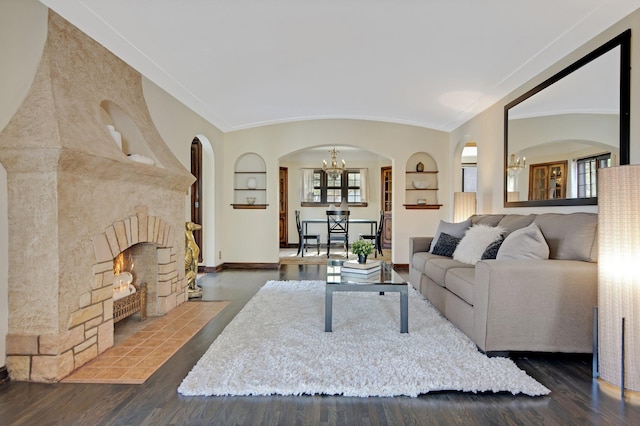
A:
<point x="575" y="399"/>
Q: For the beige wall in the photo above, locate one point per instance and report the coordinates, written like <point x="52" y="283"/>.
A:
<point x="21" y="44"/>
<point x="178" y="125"/>
<point x="252" y="235"/>
<point x="487" y="128"/>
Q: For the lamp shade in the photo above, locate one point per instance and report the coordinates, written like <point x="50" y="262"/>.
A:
<point x="619" y="274"/>
<point x="464" y="205"/>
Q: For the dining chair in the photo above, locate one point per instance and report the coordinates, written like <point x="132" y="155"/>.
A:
<point x="303" y="238"/>
<point x="338" y="229"/>
<point x="376" y="238"/>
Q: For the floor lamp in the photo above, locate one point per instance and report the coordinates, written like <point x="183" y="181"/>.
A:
<point x="464" y="206"/>
<point x="619" y="276"/>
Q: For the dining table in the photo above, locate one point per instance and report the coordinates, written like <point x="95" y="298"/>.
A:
<point x="373" y="224"/>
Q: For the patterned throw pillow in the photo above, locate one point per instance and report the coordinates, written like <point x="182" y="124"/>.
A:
<point x="492" y="251"/>
<point x="446" y="245"/>
<point x="453" y="229"/>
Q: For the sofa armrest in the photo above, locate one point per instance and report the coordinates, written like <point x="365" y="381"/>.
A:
<point x="535" y="305"/>
<point x="418" y="244"/>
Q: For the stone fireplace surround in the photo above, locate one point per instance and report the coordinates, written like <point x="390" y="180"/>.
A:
<point x="75" y="201"/>
<point x="91" y="326"/>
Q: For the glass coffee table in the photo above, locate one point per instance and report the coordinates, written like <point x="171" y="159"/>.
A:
<point x="384" y="279"/>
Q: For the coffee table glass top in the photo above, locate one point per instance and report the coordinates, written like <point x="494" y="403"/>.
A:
<point x="382" y="274"/>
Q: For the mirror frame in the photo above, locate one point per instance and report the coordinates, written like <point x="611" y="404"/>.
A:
<point x="624" y="41"/>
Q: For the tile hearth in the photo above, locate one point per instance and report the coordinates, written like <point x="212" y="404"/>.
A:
<point x="137" y="357"/>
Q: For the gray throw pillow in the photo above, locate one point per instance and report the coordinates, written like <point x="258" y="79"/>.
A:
<point x="453" y="229"/>
<point x="524" y="243"/>
<point x="446" y="245"/>
<point x="511" y="222"/>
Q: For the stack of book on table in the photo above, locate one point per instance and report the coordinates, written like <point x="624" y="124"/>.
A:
<point x="352" y="267"/>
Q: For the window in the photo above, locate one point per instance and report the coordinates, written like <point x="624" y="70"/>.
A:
<point x="588" y="174"/>
<point x="317" y="188"/>
<point x="469" y="178"/>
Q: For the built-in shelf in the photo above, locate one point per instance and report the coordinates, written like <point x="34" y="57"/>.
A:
<point x="421" y="183"/>
<point x="422" y="206"/>
<point x="250" y="181"/>
<point x="250" y="206"/>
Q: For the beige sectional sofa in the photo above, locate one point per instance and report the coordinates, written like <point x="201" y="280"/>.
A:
<point x="520" y="304"/>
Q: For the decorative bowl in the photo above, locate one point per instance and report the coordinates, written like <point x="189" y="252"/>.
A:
<point x="251" y="200"/>
<point x="420" y="184"/>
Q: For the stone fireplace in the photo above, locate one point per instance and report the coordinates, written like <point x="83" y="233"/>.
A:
<point x="77" y="199"/>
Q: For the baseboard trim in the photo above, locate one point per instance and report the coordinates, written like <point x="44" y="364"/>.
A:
<point x="4" y="376"/>
<point x="401" y="266"/>
<point x="210" y="269"/>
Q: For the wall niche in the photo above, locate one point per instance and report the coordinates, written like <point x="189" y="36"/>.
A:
<point x="421" y="182"/>
<point x="250" y="182"/>
<point x="126" y="134"/>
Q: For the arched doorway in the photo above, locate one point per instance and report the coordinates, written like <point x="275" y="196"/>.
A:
<point x="201" y="200"/>
<point x="196" y="191"/>
<point x="4" y="268"/>
<point x="307" y="194"/>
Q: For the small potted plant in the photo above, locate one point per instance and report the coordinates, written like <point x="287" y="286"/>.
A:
<point x="362" y="248"/>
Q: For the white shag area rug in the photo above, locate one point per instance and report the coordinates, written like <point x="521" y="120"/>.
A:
<point x="277" y="345"/>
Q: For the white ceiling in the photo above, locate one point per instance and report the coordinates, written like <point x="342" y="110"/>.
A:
<point x="431" y="63"/>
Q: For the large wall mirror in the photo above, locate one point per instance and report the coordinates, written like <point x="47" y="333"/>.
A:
<point x="559" y="133"/>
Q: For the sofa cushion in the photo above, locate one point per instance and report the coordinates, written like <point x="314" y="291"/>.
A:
<point x="436" y="268"/>
<point x="525" y="243"/>
<point x="459" y="281"/>
<point x="419" y="260"/>
<point x="486" y="219"/>
<point x="475" y="242"/>
<point x="454" y="229"/>
<point x="511" y="222"/>
<point x="446" y="245"/>
<point x="570" y="236"/>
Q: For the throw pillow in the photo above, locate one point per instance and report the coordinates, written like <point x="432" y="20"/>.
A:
<point x="453" y="229"/>
<point x="524" y="243"/>
<point x="446" y="245"/>
<point x="492" y="251"/>
<point x="475" y="242"/>
<point x="511" y="222"/>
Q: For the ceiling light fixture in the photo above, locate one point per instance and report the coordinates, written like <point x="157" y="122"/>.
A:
<point x="334" y="170"/>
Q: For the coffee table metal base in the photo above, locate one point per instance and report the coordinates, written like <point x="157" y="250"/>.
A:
<point x="378" y="288"/>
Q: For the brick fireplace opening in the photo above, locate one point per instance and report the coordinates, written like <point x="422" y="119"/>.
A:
<point x="135" y="272"/>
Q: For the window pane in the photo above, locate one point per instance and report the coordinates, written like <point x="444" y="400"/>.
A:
<point x="470" y="179"/>
<point x="334" y="196"/>
<point x="334" y="182"/>
<point x="353" y="179"/>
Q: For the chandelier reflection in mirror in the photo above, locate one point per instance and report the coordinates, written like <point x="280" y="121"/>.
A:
<point x="333" y="171"/>
<point x="515" y="164"/>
